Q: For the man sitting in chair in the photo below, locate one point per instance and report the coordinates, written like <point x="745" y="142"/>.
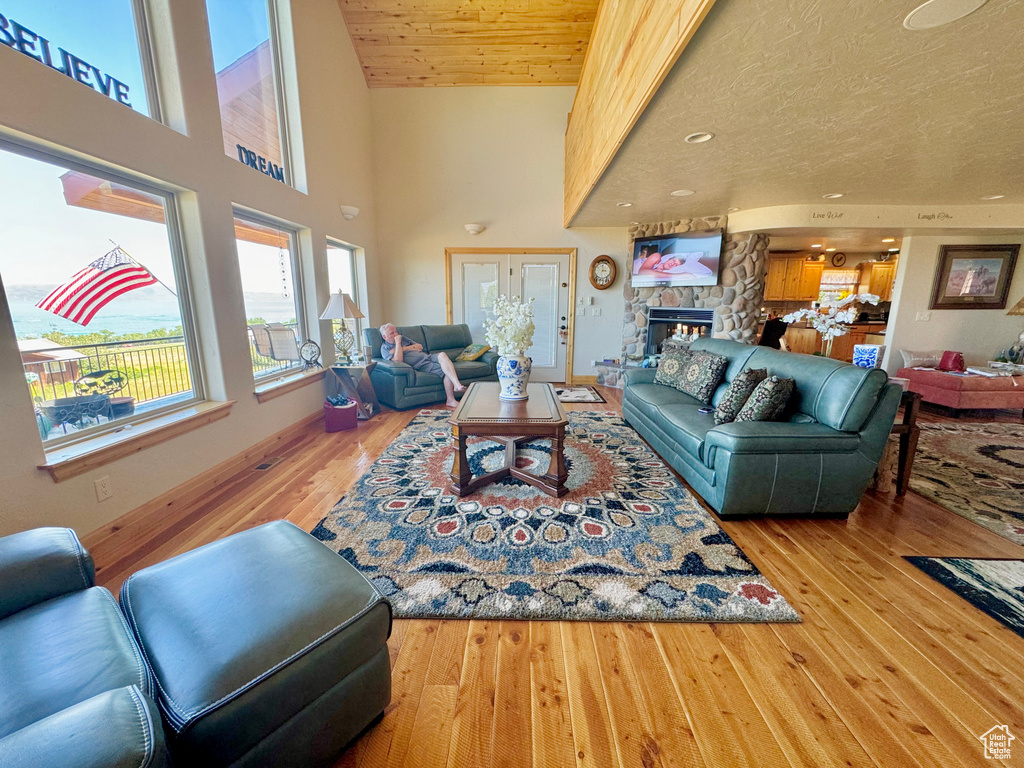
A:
<point x="403" y="350"/>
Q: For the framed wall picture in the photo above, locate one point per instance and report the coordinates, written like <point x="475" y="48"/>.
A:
<point x="973" y="276"/>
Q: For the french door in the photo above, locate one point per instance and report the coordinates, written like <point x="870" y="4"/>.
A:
<point x="478" y="278"/>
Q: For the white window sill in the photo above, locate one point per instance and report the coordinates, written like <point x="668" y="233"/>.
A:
<point x="72" y="460"/>
<point x="276" y="387"/>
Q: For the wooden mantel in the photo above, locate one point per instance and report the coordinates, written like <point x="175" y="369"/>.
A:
<point x="633" y="47"/>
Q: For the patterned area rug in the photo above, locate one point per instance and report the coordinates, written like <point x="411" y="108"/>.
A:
<point x="976" y="471"/>
<point x="993" y="586"/>
<point x="627" y="542"/>
<point x="579" y="395"/>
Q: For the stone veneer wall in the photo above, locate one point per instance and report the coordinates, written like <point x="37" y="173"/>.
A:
<point x="736" y="299"/>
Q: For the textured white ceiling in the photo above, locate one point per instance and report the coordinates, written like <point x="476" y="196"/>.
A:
<point x="845" y="240"/>
<point x="807" y="97"/>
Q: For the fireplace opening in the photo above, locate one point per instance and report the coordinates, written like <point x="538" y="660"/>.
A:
<point x="664" y="323"/>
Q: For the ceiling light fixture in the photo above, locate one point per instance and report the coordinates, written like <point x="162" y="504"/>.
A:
<point x="349" y="212"/>
<point x="829" y="250"/>
<point x="888" y="239"/>
<point x="624" y="205"/>
<point x="681" y="193"/>
<point x="936" y="13"/>
<point x="699" y="138"/>
<point x="733" y="210"/>
<point x="474" y="229"/>
<point x="816" y="245"/>
<point x="993" y="197"/>
<point x="833" y="195"/>
<point x="894" y="250"/>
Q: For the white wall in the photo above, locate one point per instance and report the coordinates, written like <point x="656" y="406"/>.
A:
<point x="978" y="333"/>
<point x="445" y="157"/>
<point x="336" y="133"/>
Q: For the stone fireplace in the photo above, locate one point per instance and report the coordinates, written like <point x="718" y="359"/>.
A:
<point x="734" y="304"/>
<point x="663" y="322"/>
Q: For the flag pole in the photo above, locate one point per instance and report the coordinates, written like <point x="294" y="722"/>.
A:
<point x="118" y="246"/>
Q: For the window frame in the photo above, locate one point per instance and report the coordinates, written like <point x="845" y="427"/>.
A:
<point x="142" y="13"/>
<point x="277" y="68"/>
<point x="333" y="242"/>
<point x="298" y="285"/>
<point x="179" y="261"/>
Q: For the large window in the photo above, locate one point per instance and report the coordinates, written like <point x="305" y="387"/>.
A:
<point x="97" y="289"/>
<point x="102" y="44"/>
<point x="268" y="264"/>
<point x="341" y="276"/>
<point x="246" y="56"/>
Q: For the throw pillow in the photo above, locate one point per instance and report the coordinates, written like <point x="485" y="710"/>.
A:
<point x="472" y="352"/>
<point x="737" y="392"/>
<point x="702" y="374"/>
<point x="671" y="367"/>
<point x="768" y="400"/>
<point x="913" y="359"/>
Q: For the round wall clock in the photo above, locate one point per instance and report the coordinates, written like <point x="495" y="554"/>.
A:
<point x="602" y="272"/>
<point x="310" y="354"/>
<point x="838" y="259"/>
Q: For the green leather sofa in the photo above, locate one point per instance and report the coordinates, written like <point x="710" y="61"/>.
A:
<point x="398" y="386"/>
<point x="74" y="689"/>
<point x="264" y="648"/>
<point x="817" y="461"/>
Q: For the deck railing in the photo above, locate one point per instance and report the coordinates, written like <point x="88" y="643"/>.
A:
<point x="154" y="368"/>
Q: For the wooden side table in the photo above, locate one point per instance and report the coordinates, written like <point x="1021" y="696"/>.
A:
<point x="354" y="382"/>
<point x="908" y="433"/>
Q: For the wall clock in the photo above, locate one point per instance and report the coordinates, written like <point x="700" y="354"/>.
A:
<point x="602" y="272"/>
<point x="838" y="259"/>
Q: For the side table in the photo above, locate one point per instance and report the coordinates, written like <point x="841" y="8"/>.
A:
<point x="908" y="433"/>
<point x="354" y="383"/>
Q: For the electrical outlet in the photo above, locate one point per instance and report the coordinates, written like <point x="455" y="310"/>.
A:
<point x="104" y="490"/>
<point x="923" y="317"/>
<point x="597" y="311"/>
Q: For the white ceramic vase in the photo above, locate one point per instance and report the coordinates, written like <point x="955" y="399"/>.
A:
<point x="513" y="374"/>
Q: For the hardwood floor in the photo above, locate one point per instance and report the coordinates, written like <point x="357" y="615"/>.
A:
<point x="888" y="667"/>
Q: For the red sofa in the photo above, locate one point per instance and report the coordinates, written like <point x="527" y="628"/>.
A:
<point x="958" y="392"/>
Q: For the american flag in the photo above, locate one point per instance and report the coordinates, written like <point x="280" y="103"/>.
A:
<point x="91" y="289"/>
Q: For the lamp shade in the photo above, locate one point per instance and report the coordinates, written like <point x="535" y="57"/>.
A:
<point x="340" y="307"/>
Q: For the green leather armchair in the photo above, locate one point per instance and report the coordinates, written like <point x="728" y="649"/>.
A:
<point x="817" y="461"/>
<point x="399" y="386"/>
<point x="74" y="689"/>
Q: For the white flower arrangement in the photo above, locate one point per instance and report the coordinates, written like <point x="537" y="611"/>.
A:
<point x="831" y="320"/>
<point x="511" y="330"/>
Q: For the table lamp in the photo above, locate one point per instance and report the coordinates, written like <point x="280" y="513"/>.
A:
<point x="341" y="307"/>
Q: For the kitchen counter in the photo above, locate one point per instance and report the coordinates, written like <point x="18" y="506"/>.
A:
<point x="802" y="338"/>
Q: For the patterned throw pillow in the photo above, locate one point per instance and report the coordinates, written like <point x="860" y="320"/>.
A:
<point x="768" y="400"/>
<point x="702" y="374"/>
<point x="671" y="367"/>
<point x="737" y="393"/>
<point x="472" y="352"/>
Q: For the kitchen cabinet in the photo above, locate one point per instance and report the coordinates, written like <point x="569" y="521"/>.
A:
<point x="807" y="341"/>
<point x="793" y="278"/>
<point x="877" y="277"/>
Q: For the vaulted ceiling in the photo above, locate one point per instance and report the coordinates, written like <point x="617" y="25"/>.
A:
<point x="470" y="42"/>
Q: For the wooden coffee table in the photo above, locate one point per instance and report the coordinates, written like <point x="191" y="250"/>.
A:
<point x="482" y="414"/>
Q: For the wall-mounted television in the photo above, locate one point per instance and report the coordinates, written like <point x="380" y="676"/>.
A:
<point x="690" y="258"/>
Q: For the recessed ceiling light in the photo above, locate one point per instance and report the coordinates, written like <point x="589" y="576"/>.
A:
<point x="733" y="210"/>
<point x="893" y="250"/>
<point x="699" y="138"/>
<point x="993" y="197"/>
<point x="816" y="245"/>
<point x="833" y="195"/>
<point x="829" y="250"/>
<point x="681" y="192"/>
<point x="624" y="205"/>
<point x="888" y="239"/>
<point x="935" y="13"/>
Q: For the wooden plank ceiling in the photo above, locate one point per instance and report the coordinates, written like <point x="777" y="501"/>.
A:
<point x="403" y="43"/>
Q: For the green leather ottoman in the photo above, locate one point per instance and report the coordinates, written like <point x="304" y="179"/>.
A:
<point x="267" y="648"/>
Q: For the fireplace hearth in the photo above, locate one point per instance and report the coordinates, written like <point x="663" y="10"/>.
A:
<point x="663" y="322"/>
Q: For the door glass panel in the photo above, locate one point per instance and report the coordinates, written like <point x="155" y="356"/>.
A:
<point x="479" y="290"/>
<point x="540" y="283"/>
